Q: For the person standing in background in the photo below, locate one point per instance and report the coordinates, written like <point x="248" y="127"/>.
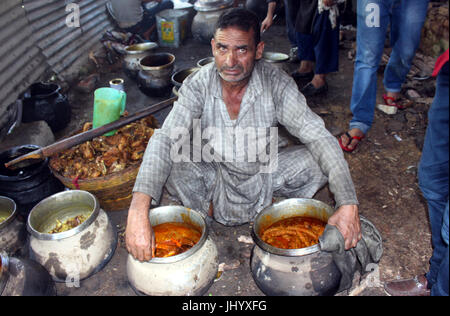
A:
<point x="405" y="19"/>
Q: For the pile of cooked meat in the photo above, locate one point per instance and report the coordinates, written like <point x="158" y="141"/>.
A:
<point x="105" y="155"/>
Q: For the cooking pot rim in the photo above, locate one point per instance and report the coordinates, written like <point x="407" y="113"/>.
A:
<point x="55" y="88"/>
<point x="288" y="252"/>
<point x="192" y="250"/>
<point x="146" y="47"/>
<point x="170" y="63"/>
<point x="70" y="232"/>
<point x="189" y="70"/>
<point x="13" y="214"/>
<point x="12" y="151"/>
<point x="200" y="63"/>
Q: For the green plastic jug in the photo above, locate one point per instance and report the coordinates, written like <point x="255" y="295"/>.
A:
<point x="109" y="104"/>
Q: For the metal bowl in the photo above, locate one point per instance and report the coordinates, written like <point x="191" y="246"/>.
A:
<point x="179" y="214"/>
<point x="204" y="61"/>
<point x="62" y="206"/>
<point x="285" y="209"/>
<point x="274" y="57"/>
<point x="179" y="76"/>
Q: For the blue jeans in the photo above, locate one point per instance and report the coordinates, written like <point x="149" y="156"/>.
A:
<point x="434" y="183"/>
<point x="406" y="18"/>
<point x="322" y="46"/>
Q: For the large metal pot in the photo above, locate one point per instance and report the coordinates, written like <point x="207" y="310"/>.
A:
<point x="79" y="252"/>
<point x="133" y="56"/>
<point x="23" y="277"/>
<point x="303" y="272"/>
<point x="154" y="78"/>
<point x="189" y="273"/>
<point x="208" y="13"/>
<point x="12" y="231"/>
<point x="278" y="59"/>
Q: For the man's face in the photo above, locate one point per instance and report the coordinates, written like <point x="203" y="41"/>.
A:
<point x="235" y="53"/>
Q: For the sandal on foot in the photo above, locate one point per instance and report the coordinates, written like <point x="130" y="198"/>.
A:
<point x="351" y="138"/>
<point x="399" y="103"/>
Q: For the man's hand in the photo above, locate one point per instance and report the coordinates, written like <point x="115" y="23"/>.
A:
<point x="267" y="23"/>
<point x="346" y="219"/>
<point x="139" y="236"/>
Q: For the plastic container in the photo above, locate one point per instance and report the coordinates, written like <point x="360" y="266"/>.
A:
<point x="172" y="27"/>
<point x="109" y="104"/>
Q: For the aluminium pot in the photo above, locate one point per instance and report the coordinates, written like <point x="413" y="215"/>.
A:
<point x="298" y="272"/>
<point x="154" y="78"/>
<point x="133" y="55"/>
<point x="77" y="253"/>
<point x="13" y="232"/>
<point x="189" y="273"/>
<point x="24" y="277"/>
<point x="208" y="13"/>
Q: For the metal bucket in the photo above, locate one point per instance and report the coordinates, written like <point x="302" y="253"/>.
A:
<point x="189" y="273"/>
<point x="76" y="253"/>
<point x="300" y="272"/>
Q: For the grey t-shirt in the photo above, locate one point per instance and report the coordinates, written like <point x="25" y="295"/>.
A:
<point x="127" y="12"/>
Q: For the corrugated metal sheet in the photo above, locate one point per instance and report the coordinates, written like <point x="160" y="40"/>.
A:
<point x="60" y="44"/>
<point x="36" y="39"/>
<point x="21" y="62"/>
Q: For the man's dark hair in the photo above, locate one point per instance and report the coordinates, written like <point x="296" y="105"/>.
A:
<point x="242" y="19"/>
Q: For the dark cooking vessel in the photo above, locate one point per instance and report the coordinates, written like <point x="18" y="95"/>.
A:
<point x="29" y="185"/>
<point x="44" y="102"/>
<point x="300" y="272"/>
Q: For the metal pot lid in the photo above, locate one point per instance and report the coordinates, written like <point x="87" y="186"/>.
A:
<point x="212" y="5"/>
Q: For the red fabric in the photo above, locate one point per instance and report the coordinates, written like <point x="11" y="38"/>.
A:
<point x="440" y="62"/>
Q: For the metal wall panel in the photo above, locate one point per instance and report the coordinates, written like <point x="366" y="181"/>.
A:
<point x="21" y="62"/>
<point x="36" y="39"/>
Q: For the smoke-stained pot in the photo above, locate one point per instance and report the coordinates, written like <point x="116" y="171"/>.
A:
<point x="24" y="277"/>
<point x="297" y="272"/>
<point x="77" y="253"/>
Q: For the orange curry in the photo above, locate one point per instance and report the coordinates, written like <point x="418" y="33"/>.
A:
<point x="174" y="238"/>
<point x="294" y="232"/>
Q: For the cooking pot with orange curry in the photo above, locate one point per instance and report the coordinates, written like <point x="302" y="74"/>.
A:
<point x="287" y="259"/>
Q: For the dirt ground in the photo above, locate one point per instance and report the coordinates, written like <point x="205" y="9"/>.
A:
<point x="383" y="167"/>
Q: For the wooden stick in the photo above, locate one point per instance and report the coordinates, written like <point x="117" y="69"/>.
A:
<point x="69" y="142"/>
